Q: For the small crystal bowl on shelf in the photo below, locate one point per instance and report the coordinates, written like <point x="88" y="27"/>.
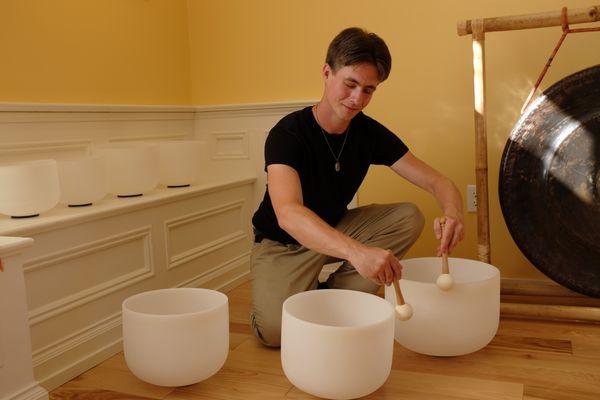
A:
<point x="83" y="180"/>
<point x="179" y="162"/>
<point x="132" y="167"/>
<point x="28" y="188"/>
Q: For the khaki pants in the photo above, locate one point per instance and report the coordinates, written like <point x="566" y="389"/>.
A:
<point x="279" y="270"/>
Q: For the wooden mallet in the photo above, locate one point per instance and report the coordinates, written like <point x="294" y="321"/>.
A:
<point x="403" y="311"/>
<point x="444" y="281"/>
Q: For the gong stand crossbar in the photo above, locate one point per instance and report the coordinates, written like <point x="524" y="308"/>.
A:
<point x="477" y="28"/>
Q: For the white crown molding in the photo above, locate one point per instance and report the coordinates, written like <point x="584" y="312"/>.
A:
<point x="51" y="112"/>
<point x="252" y="109"/>
<point x="275" y="107"/>
<point x="93" y="108"/>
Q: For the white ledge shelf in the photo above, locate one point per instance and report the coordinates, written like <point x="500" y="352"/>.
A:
<point x="12" y="245"/>
<point x="63" y="216"/>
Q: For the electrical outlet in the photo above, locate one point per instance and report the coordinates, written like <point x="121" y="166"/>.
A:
<point x="471" y="198"/>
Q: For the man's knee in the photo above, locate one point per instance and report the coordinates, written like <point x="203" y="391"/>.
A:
<point x="267" y="332"/>
<point x="408" y="220"/>
<point x="414" y="219"/>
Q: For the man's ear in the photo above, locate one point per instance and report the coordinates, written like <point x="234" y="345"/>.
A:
<point x="327" y="71"/>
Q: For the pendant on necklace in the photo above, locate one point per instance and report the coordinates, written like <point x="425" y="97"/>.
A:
<point x="337" y="166"/>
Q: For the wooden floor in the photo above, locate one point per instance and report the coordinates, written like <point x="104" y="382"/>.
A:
<point x="530" y="360"/>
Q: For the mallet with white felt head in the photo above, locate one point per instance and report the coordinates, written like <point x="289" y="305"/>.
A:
<point x="403" y="311"/>
<point x="444" y="281"/>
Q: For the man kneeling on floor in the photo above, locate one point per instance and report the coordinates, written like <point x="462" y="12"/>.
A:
<point x="316" y="159"/>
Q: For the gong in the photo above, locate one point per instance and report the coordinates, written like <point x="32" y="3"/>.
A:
<point x="549" y="183"/>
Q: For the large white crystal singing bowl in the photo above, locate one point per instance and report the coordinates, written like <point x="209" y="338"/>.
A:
<point x="459" y="321"/>
<point x="132" y="168"/>
<point x="83" y="180"/>
<point x="28" y="188"/>
<point x="337" y="344"/>
<point x="179" y="162"/>
<point x="176" y="337"/>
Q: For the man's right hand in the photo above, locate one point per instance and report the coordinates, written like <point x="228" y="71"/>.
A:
<point x="379" y="265"/>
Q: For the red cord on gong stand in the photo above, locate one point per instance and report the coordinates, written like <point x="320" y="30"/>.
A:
<point x="566" y="30"/>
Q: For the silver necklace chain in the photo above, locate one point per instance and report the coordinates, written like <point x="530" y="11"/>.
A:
<point x="337" y="166"/>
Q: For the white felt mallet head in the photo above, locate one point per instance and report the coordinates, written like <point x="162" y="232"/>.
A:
<point x="445" y="282"/>
<point x="403" y="311"/>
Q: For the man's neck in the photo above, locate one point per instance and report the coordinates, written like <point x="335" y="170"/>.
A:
<point x="327" y="119"/>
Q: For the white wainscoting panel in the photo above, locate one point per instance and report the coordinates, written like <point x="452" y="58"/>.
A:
<point x="229" y="145"/>
<point x="87" y="276"/>
<point x="194" y="235"/>
<point x="86" y="261"/>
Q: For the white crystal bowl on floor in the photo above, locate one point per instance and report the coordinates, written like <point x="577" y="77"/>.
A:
<point x="132" y="168"/>
<point x="337" y="344"/>
<point x="28" y="188"/>
<point x="83" y="180"/>
<point x="459" y="321"/>
<point x="176" y="337"/>
<point x="179" y="162"/>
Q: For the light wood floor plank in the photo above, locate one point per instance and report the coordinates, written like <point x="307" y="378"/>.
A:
<point x="253" y="356"/>
<point x="415" y="385"/>
<point x="536" y="368"/>
<point x="587" y="348"/>
<point x="236" y="384"/>
<point x="555" y="393"/>
<point x="235" y="339"/>
<point x="548" y="329"/>
<point x="117" y="380"/>
<point x="91" y="394"/>
<point x="534" y="344"/>
<point x="116" y="362"/>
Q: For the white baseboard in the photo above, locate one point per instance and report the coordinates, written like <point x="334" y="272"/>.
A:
<point x="76" y="368"/>
<point x="32" y="392"/>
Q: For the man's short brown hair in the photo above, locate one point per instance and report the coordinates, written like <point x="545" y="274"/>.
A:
<point x="356" y="45"/>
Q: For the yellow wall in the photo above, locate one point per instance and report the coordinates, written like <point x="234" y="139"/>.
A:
<point x="94" y="51"/>
<point x="269" y="50"/>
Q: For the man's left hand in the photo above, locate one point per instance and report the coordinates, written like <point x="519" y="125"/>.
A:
<point x="452" y="234"/>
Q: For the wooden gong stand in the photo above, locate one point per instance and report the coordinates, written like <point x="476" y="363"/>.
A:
<point x="522" y="298"/>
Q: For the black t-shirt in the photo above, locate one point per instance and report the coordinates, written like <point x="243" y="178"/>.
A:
<point x="297" y="141"/>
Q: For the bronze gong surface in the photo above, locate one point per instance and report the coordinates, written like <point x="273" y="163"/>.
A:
<point x="550" y="182"/>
